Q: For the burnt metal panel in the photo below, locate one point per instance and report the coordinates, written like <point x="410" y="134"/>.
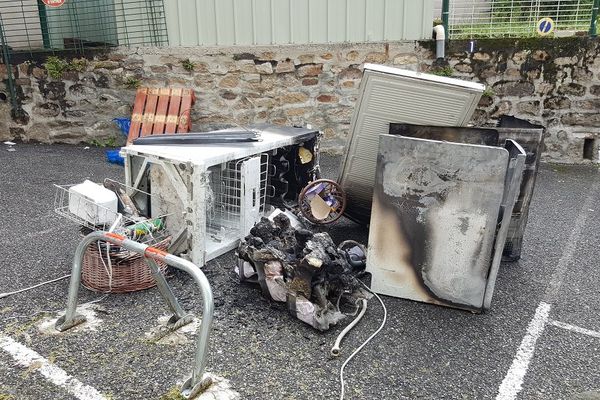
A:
<point x="512" y="184"/>
<point x="531" y="138"/>
<point x="482" y="136"/>
<point x="436" y="219"/>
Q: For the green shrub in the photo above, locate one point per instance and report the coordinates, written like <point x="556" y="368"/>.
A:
<point x="188" y="65"/>
<point x="442" y="71"/>
<point x="132" y="82"/>
<point x="77" y="64"/>
<point x="55" y="66"/>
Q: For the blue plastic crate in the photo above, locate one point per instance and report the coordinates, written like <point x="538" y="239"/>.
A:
<point x="113" y="156"/>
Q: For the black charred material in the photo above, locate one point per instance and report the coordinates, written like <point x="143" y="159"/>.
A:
<point x="313" y="267"/>
<point x="290" y="176"/>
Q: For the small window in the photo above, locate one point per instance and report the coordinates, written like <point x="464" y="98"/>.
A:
<point x="588" y="149"/>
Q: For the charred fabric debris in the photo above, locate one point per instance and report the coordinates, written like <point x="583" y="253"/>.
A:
<point x="306" y="270"/>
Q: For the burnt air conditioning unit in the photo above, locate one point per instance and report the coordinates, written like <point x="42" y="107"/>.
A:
<point x="217" y="191"/>
<point x="390" y="95"/>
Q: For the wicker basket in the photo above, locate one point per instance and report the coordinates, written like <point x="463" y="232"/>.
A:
<point x="129" y="270"/>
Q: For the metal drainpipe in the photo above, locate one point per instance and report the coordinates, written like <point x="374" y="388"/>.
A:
<point x="593" y="22"/>
<point x="446" y="14"/>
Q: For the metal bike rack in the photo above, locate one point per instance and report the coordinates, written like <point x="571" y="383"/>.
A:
<point x="195" y="384"/>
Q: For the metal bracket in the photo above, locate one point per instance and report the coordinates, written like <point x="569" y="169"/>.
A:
<point x="189" y="390"/>
<point x="177" y="180"/>
<point x="62" y="324"/>
<point x="197" y="383"/>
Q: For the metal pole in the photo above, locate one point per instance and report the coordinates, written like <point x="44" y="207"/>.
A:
<point x="446" y="15"/>
<point x="44" y="23"/>
<point x="195" y="384"/>
<point x="6" y="61"/>
<point x="593" y="22"/>
<point x="165" y="290"/>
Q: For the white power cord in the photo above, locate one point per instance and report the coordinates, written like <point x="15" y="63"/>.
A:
<point x="3" y="295"/>
<point x="99" y="299"/>
<point x="365" y="342"/>
<point x="108" y="269"/>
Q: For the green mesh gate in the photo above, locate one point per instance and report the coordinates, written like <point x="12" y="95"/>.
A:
<point x="32" y="28"/>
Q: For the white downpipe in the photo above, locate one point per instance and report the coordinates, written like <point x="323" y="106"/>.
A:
<point x="440" y="39"/>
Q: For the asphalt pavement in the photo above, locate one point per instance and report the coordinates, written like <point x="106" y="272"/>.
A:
<point x="537" y="342"/>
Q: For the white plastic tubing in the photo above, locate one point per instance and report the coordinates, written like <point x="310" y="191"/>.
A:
<point x="440" y="38"/>
<point x="335" y="350"/>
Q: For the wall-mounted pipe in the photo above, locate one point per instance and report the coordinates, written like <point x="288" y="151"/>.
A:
<point x="440" y="40"/>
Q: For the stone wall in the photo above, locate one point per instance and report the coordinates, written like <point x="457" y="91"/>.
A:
<point x="553" y="82"/>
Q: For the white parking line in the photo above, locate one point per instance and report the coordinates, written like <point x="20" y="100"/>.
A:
<point x="513" y="381"/>
<point x="575" y="328"/>
<point x="28" y="358"/>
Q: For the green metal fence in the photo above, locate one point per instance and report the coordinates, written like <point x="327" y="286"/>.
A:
<point x="517" y="18"/>
<point x="31" y="29"/>
<point x="77" y="25"/>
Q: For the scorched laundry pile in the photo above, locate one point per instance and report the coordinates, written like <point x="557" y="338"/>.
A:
<point x="304" y="269"/>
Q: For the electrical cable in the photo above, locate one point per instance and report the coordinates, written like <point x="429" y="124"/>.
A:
<point x="99" y="299"/>
<point x="106" y="268"/>
<point x="365" y="342"/>
<point x="3" y="295"/>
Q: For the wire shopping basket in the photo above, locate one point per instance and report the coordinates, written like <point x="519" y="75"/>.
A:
<point x="109" y="268"/>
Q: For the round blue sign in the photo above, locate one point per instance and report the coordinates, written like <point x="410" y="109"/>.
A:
<point x="545" y="26"/>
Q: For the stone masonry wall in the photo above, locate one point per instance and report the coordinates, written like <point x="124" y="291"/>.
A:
<point x="553" y="82"/>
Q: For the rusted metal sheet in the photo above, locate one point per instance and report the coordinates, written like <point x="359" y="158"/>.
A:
<point x="440" y="211"/>
<point x="531" y="138"/>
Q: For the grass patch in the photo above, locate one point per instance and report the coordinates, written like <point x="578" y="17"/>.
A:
<point x="173" y="394"/>
<point x="560" y="168"/>
<point x="56" y="66"/>
<point x="16" y="329"/>
<point x="108" y="142"/>
<point x="132" y="83"/>
<point x="78" y="64"/>
<point x="188" y="65"/>
<point x="442" y="71"/>
<point x="488" y="92"/>
<point x="506" y="30"/>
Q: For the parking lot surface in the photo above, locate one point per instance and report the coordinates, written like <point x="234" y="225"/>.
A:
<point x="540" y="340"/>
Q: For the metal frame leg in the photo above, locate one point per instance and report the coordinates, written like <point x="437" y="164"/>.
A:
<point x="165" y="289"/>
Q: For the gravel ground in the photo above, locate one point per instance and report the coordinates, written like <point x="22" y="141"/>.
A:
<point x="424" y="352"/>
